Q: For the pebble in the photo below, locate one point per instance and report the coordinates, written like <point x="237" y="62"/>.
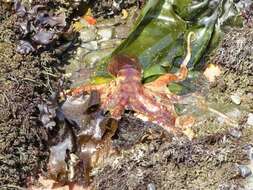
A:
<point x="250" y="119"/>
<point x="121" y="32"/>
<point x="92" y="58"/>
<point x="81" y="52"/>
<point x="234" y="114"/>
<point x="151" y="186"/>
<point x="108" y="23"/>
<point x="92" y="45"/>
<point x="88" y="34"/>
<point x="244" y="171"/>
<point x="97" y="42"/>
<point x="250" y="152"/>
<point x="105" y="34"/>
<point x="236" y="99"/>
<point x="72" y="67"/>
<point x="110" y="44"/>
<point x="236" y="133"/>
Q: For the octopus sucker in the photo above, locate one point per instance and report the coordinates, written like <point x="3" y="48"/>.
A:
<point x="152" y="100"/>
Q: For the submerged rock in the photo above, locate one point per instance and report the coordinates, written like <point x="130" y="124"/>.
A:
<point x="245" y="171"/>
<point x="105" y="33"/>
<point x="88" y="34"/>
<point x="151" y="186"/>
<point x="92" y="45"/>
<point x="236" y="99"/>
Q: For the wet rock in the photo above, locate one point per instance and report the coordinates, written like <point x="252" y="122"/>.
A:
<point x="121" y="32"/>
<point x="92" y="58"/>
<point x="88" y="34"/>
<point x="236" y="133"/>
<point x="92" y="45"/>
<point x="244" y="171"/>
<point x="80" y="53"/>
<point x="110" y="44"/>
<point x="235" y="51"/>
<point x="236" y="99"/>
<point x="250" y="119"/>
<point x="108" y="23"/>
<point x="234" y="115"/>
<point x="105" y="33"/>
<point x="72" y="67"/>
<point x="151" y="186"/>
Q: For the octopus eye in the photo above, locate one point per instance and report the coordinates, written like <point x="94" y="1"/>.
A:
<point x="120" y="62"/>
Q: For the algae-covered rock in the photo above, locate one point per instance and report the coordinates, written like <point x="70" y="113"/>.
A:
<point x="235" y="55"/>
<point x="236" y="52"/>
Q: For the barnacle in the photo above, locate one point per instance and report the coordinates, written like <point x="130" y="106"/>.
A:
<point x="152" y="100"/>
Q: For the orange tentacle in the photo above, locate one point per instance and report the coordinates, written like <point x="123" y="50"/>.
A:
<point x="167" y="78"/>
<point x="87" y="88"/>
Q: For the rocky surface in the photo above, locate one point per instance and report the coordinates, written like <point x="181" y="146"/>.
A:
<point x="147" y="157"/>
<point x="23" y="149"/>
<point x="96" y="42"/>
<point x="235" y="56"/>
<point x="144" y="156"/>
<point x="24" y="81"/>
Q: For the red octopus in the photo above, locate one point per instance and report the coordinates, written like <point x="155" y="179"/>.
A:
<point x="153" y="100"/>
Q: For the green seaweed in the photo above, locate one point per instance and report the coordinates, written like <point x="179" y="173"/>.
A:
<point x="158" y="38"/>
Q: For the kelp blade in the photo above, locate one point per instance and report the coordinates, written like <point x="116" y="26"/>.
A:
<point x="158" y="38"/>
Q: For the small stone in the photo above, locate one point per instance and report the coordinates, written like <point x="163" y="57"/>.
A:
<point x="73" y="66"/>
<point x="234" y="113"/>
<point x="244" y="171"/>
<point x="212" y="72"/>
<point x="151" y="186"/>
<point x="88" y="34"/>
<point x="92" y="45"/>
<point x="81" y="52"/>
<point x="105" y="34"/>
<point x="121" y="32"/>
<point x="250" y="152"/>
<point x="236" y="99"/>
<point x="250" y="119"/>
<point x="110" y="44"/>
<point x="236" y="133"/>
<point x="108" y="23"/>
<point x="92" y="58"/>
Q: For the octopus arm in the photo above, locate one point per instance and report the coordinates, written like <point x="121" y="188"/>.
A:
<point x="88" y="88"/>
